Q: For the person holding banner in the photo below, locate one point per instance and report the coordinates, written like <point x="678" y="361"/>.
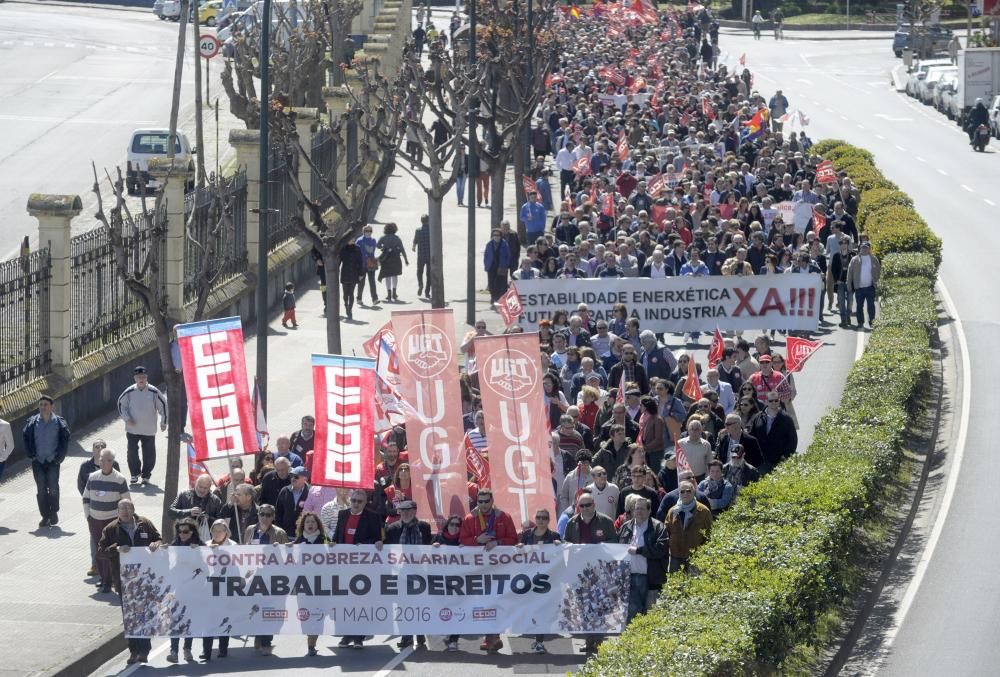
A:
<point x="241" y="513"/>
<point x="220" y="536"/>
<point x="264" y="533"/>
<point x="647" y="541"/>
<point x="185" y="535"/>
<point x="538" y="535"/>
<point x="201" y="504"/>
<point x="408" y="530"/>
<point x="357" y="525"/>
<point x="488" y="526"/>
<point x="291" y="500"/>
<point x="128" y="531"/>
<point x="309" y="530"/>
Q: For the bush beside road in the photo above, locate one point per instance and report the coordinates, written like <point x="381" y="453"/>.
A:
<point x="777" y="560"/>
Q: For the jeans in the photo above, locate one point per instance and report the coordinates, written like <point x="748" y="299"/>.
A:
<point x="104" y="565"/>
<point x="497" y="283"/>
<point x="460" y="187"/>
<point x="145" y="467"/>
<point x="866" y="296"/>
<point x="843" y="303"/>
<point x="370" y="274"/>
<point x="175" y="643"/>
<point x="2" y="464"/>
<point x="483" y="188"/>
<point x="139" y="647"/>
<point x="206" y="644"/>
<point x="348" y="293"/>
<point x="637" y="594"/>
<point x="47" y="482"/>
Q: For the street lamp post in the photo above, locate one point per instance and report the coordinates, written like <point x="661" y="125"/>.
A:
<point x="470" y="283"/>
<point x="262" y="240"/>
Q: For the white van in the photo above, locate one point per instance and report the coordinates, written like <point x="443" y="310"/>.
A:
<point x="147" y="144"/>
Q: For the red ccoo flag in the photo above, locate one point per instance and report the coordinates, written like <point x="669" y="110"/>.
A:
<point x="609" y="205"/>
<point x="582" y="166"/>
<point x="819" y="220"/>
<point x="681" y="459"/>
<point x="529" y="185"/>
<point x="717" y="349"/>
<point x="691" y="386"/>
<point x="743" y="59"/>
<point x="706" y="108"/>
<point x="799" y="350"/>
<point x="622" y="147"/>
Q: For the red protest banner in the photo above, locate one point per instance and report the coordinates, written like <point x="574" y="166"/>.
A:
<point x="528" y="185"/>
<point x="715" y="353"/>
<point x="621" y="149"/>
<point x="819" y="220"/>
<point x="799" y="350"/>
<point x="692" y="388"/>
<point x="656" y="185"/>
<point x="223" y="422"/>
<point x="511" y="388"/>
<point x="825" y="173"/>
<point x="582" y="166"/>
<point x="429" y="382"/>
<point x="344" y="393"/>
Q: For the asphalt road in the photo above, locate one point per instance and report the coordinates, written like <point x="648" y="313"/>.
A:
<point x="844" y="89"/>
<point x="74" y="83"/>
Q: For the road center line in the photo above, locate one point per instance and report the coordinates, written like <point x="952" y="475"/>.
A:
<point x="967" y="188"/>
<point x="898" y="147"/>
<point x="391" y="665"/>
<point x="990" y="202"/>
<point x="942" y="172"/>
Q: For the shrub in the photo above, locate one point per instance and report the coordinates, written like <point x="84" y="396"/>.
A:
<point x="777" y="559"/>
<point x="894" y="228"/>
<point x="877" y="198"/>
<point x="825" y="146"/>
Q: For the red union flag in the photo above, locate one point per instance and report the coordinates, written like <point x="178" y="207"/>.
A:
<point x="825" y="173"/>
<point x="681" y="459"/>
<point x="621" y="149"/>
<point x="223" y="422"/>
<point x="717" y="350"/>
<point x="511" y="386"/>
<point x="656" y="185"/>
<point x="799" y="350"/>
<point x="582" y="166"/>
<point x="819" y="220"/>
<point x="529" y="185"/>
<point x="344" y="393"/>
<point x="425" y="345"/>
<point x="692" y="388"/>
<point x="510" y="306"/>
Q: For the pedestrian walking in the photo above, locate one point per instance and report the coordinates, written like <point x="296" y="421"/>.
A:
<point x="863" y="274"/>
<point x="104" y="489"/>
<point x="369" y="260"/>
<point x="46" y="441"/>
<point x="496" y="262"/>
<point x="201" y="505"/>
<point x="288" y="304"/>
<point x="88" y="468"/>
<point x="390" y="260"/>
<point x="461" y="175"/>
<point x="532" y="215"/>
<point x="422" y="246"/>
<point x="139" y="405"/>
<point x="352" y="273"/>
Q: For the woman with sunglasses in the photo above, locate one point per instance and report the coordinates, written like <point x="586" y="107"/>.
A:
<point x="787" y="393"/>
<point x="185" y="534"/>
<point x="265" y="532"/>
<point x="449" y="535"/>
<point x="747" y="408"/>
<point x="539" y="534"/>
<point x="220" y="536"/>
<point x="399" y="491"/>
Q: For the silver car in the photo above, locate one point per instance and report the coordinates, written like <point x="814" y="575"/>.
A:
<point x="945" y="89"/>
<point x="925" y="88"/>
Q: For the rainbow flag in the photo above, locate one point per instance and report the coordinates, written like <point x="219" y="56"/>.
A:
<point x="755" y="127"/>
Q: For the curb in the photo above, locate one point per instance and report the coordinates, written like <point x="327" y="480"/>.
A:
<point x="103" y="649"/>
<point x="767" y="25"/>
<point x="87" y="5"/>
<point x="898" y="73"/>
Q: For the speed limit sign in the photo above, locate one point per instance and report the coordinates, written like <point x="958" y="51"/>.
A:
<point x="208" y="45"/>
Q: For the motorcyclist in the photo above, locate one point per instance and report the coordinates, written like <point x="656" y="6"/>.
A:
<point x="977" y="116"/>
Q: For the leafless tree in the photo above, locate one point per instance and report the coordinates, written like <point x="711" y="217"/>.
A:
<point x="146" y="280"/>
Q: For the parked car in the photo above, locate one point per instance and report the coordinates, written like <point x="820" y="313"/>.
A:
<point x="209" y="12"/>
<point x="946" y="90"/>
<point x="925" y="88"/>
<point x="995" y="116"/>
<point x="158" y="9"/>
<point x="147" y="144"/>
<point x="919" y="72"/>
<point x="940" y="37"/>
<point x="171" y="10"/>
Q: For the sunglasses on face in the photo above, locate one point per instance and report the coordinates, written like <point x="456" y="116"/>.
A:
<point x="484" y="501"/>
<point x="358" y="500"/>
<point x="540" y="518"/>
<point x="267" y="514"/>
<point x="184" y="532"/>
<point x="685" y="491"/>
<point x="586" y="505"/>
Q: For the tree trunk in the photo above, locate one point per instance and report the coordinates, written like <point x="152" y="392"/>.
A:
<point x="498" y="174"/>
<point x="199" y="120"/>
<point x="435" y="273"/>
<point x="331" y="263"/>
<point x="175" y="426"/>
<point x="520" y="197"/>
<point x="175" y="101"/>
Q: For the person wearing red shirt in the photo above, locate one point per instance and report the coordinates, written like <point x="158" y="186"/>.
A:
<point x="766" y="380"/>
<point x="489" y="527"/>
<point x="358" y="526"/>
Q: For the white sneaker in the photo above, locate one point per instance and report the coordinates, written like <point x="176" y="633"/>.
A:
<point x="134" y="479"/>
<point x="451" y="647"/>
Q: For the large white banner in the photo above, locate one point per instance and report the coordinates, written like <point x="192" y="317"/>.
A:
<point x="359" y="590"/>
<point x="684" y="304"/>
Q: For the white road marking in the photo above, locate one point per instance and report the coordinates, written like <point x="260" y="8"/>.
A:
<point x="391" y="665"/>
<point x="889" y="118"/>
<point x="880" y="137"/>
<point x="964" y="187"/>
<point x="898" y="147"/>
<point x="843" y="117"/>
<point x="920" y="159"/>
<point x="942" y="172"/>
<point x="860" y="126"/>
<point x="990" y="202"/>
<point x="951" y="481"/>
<point x="28" y="44"/>
<point x="50" y="44"/>
<point x="70" y="45"/>
<point x="76" y="121"/>
<point x="91" y="46"/>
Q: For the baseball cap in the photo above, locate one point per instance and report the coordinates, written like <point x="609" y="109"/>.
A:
<point x="298" y="472"/>
<point x="139" y="370"/>
<point x="764" y="358"/>
<point x="407" y="505"/>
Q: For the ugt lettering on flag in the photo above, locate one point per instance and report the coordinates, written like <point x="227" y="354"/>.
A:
<point x="344" y="392"/>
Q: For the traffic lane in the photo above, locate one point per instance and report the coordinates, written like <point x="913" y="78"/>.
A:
<point x="379" y="657"/>
<point x="84" y="25"/>
<point x="945" y="613"/>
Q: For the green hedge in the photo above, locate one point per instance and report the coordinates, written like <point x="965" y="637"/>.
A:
<point x="872" y="200"/>
<point x="779" y="558"/>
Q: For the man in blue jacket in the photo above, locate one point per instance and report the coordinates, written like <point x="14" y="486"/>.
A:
<point x="496" y="261"/>
<point x="46" y="440"/>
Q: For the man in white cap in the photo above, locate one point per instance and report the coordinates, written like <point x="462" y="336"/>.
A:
<point x="139" y="406"/>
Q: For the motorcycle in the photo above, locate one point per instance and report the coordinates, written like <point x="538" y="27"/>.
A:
<point x="980" y="137"/>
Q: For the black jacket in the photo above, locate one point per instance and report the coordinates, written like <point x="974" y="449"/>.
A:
<point x="86" y="468"/>
<point x="778" y="444"/>
<point x="230" y="513"/>
<point x="751" y="448"/>
<point x="639" y="376"/>
<point x="210" y="505"/>
<point x="286" y="511"/>
<point x="394" y="531"/>
<point x="654" y="548"/>
<point x="369" y="527"/>
<point x="62" y="446"/>
<point x="351" y="263"/>
<point x="270" y="486"/>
